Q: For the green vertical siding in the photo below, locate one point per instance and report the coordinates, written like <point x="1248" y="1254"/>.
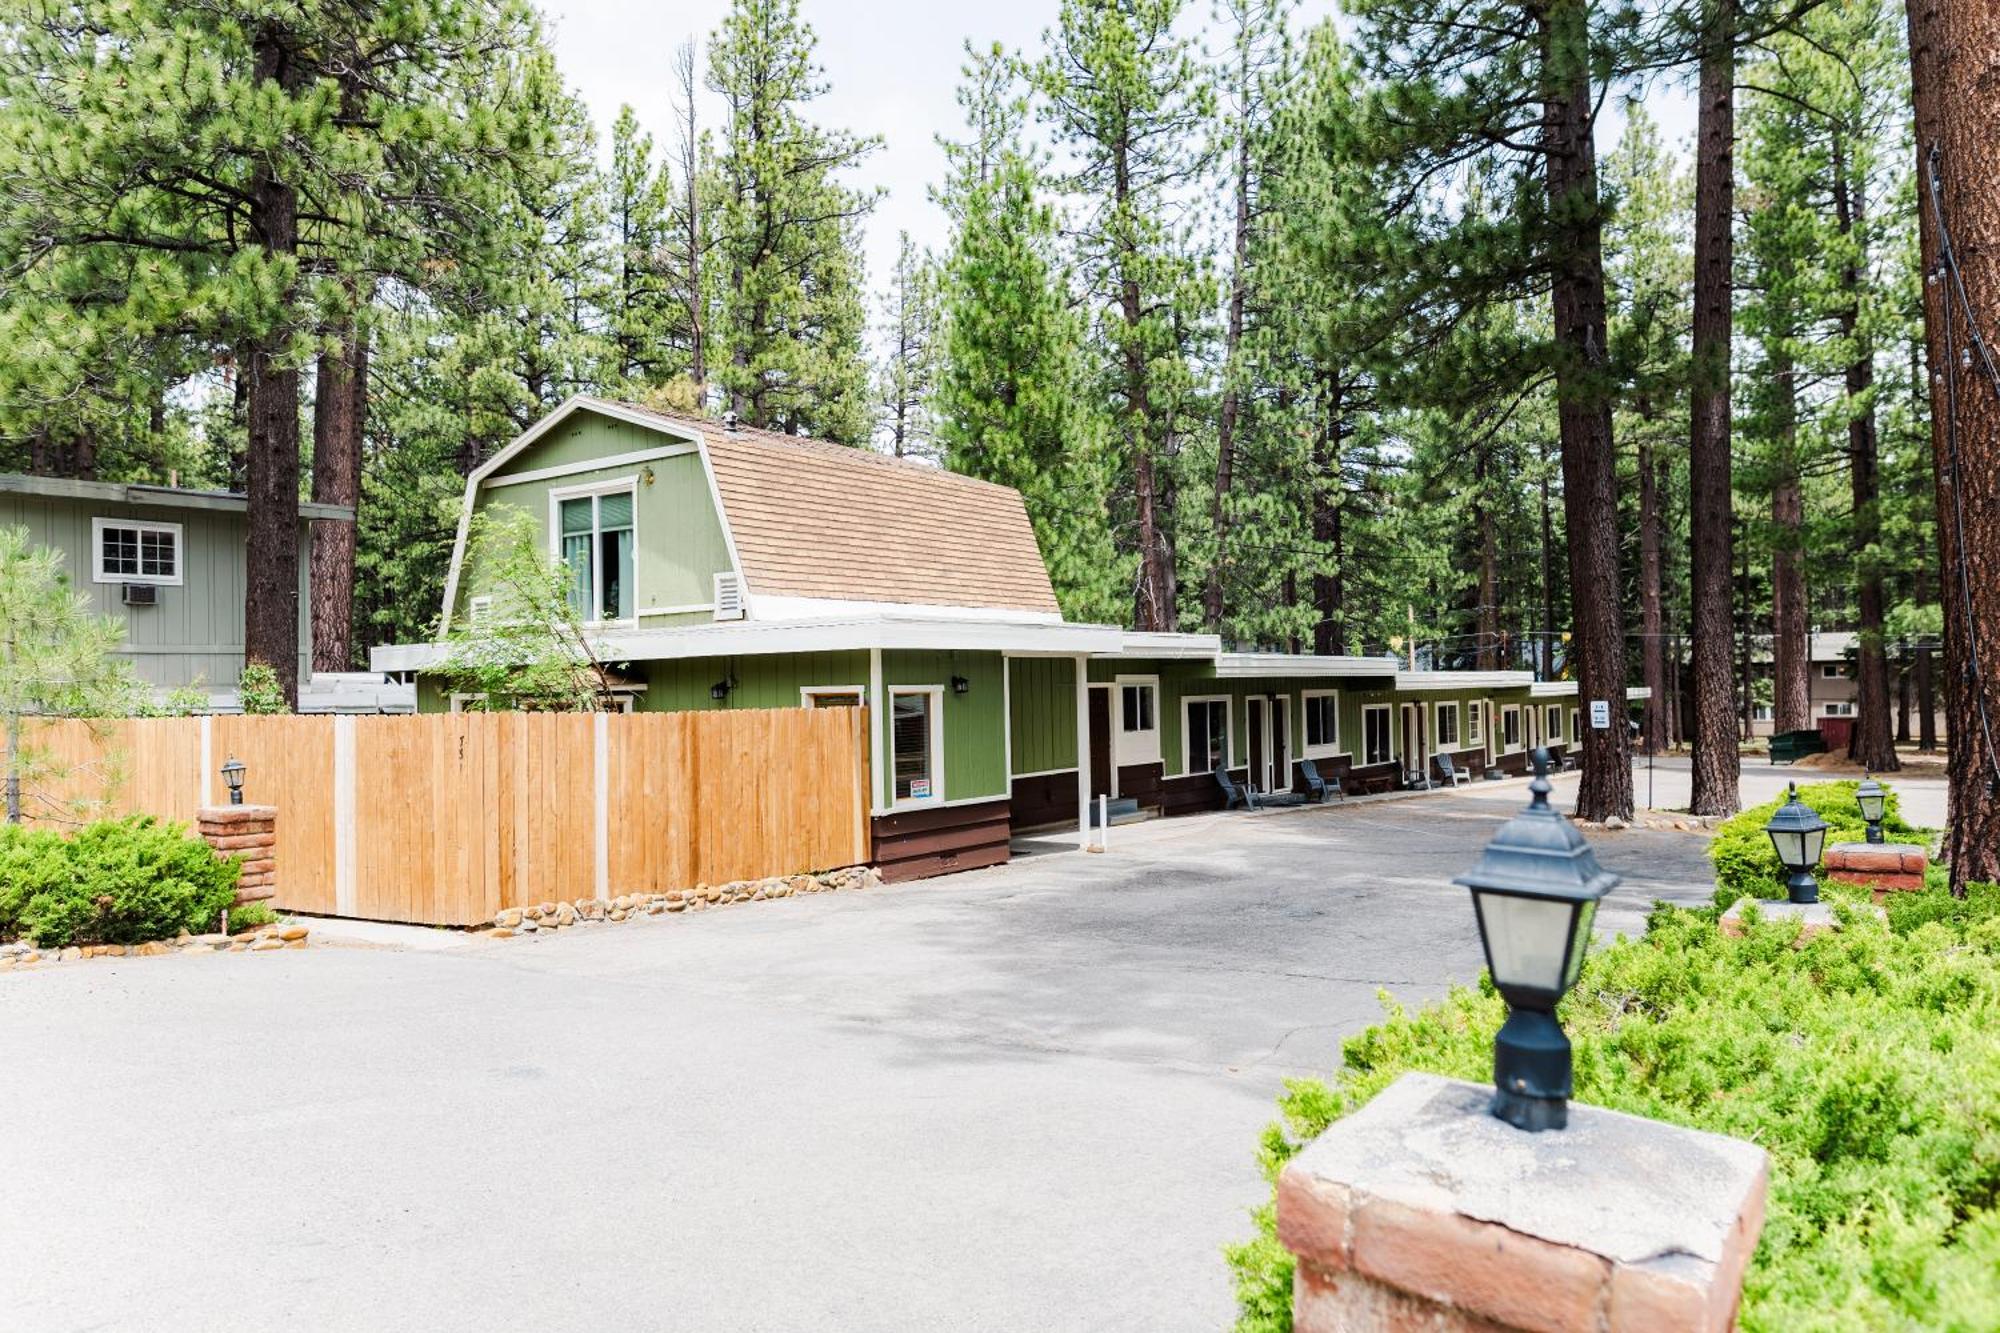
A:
<point x="678" y="546"/>
<point x="975" y="723"/>
<point x="765" y="681"/>
<point x="1043" y="724"/>
<point x="193" y="635"/>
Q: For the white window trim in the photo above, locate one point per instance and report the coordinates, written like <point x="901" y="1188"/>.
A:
<point x="1457" y="728"/>
<point x="1390" y="711"/>
<point x="937" y="796"/>
<point x="1520" y="734"/>
<point x="807" y="693"/>
<point x="1575" y="727"/>
<point x="1144" y="746"/>
<point x="1553" y="734"/>
<point x="1475" y="725"/>
<point x="1228" y="703"/>
<point x="1831" y="671"/>
<point x="1322" y="751"/>
<point x="1836" y="708"/>
<point x="97" y="572"/>
<point x="560" y="493"/>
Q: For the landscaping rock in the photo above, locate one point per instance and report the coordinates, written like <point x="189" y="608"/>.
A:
<point x="565" y="914"/>
<point x="265" y="943"/>
<point x="291" y="933"/>
<point x="70" y="954"/>
<point x="508" y="917"/>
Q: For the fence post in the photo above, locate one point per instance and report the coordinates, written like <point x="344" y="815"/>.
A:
<point x="601" y="770"/>
<point x="346" y="899"/>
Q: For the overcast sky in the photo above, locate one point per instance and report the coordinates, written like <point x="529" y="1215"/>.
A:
<point x="892" y="67"/>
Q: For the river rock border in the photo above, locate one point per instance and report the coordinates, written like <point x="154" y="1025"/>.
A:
<point x="543" y="917"/>
<point x="19" y="954"/>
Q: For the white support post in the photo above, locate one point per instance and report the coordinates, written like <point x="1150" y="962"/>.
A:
<point x="346" y="900"/>
<point x="207" y="775"/>
<point x="1103" y="823"/>
<point x="878" y="718"/>
<point x="1082" y="751"/>
<point x="601" y="765"/>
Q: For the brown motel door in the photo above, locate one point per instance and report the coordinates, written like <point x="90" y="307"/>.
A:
<point x="1100" y="742"/>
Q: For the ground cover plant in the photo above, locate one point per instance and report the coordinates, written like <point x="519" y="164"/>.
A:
<point x="118" y="881"/>
<point x="1866" y="1061"/>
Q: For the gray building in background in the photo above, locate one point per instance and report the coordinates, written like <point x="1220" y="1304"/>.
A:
<point x="170" y="564"/>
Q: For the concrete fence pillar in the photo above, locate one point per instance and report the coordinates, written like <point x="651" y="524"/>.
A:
<point x="1421" y="1211"/>
<point x="248" y="831"/>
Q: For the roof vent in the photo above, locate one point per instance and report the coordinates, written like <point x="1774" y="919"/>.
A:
<point x="728" y="597"/>
<point x="729" y="420"/>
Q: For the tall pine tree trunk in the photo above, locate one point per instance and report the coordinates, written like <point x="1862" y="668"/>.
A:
<point x="1717" y="759"/>
<point x="1872" y="745"/>
<point x="1548" y="630"/>
<point x="1652" y="641"/>
<point x="271" y="591"/>
<point x="1791" y="645"/>
<point x="1225" y="428"/>
<point x="1902" y="668"/>
<point x="1487" y="653"/>
<point x="340" y="409"/>
<point x="1329" y="591"/>
<point x="1955" y="65"/>
<point x="1589" y="457"/>
<point x="1926" y="703"/>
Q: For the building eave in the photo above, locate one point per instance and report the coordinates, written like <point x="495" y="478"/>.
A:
<point x="163" y="497"/>
<point x="1421" y="681"/>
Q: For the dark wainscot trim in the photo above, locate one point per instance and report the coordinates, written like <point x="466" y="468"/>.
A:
<point x="917" y="844"/>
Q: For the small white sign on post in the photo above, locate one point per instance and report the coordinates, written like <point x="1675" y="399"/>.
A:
<point x="1600" y="714"/>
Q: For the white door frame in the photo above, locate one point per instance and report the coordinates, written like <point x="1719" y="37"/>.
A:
<point x="1260" y="708"/>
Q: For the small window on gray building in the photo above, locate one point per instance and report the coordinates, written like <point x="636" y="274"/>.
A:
<point x="128" y="551"/>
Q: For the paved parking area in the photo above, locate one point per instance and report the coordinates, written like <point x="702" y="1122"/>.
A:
<point x="1019" y="1098"/>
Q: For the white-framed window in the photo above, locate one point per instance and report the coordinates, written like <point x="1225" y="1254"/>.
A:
<point x="126" y="550"/>
<point x="916" y="745"/>
<point x="1475" y="723"/>
<point x="1575" y="731"/>
<point x="1138" y="720"/>
<point x="832" y="696"/>
<point x="1831" y="671"/>
<point x="1554" y="714"/>
<point x="1510" y="727"/>
<point x="593" y="530"/>
<point x="1837" y="708"/>
<point x="1322" y="723"/>
<point x="1761" y="713"/>
<point x="1446" y="727"/>
<point x="1205" y="738"/>
<point x="1377" y="734"/>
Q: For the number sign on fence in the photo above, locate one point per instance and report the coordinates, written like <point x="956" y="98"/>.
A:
<point x="448" y="818"/>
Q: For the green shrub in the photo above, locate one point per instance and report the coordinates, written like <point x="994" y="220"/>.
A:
<point x="259" y="690"/>
<point x="120" y="881"/>
<point x="1746" y="863"/>
<point x="1867" y="1062"/>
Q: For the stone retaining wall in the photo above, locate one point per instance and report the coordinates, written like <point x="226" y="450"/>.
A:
<point x="542" y="917"/>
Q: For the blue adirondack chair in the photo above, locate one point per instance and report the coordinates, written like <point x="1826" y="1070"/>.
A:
<point x="1234" y="793"/>
<point x="1320" y="789"/>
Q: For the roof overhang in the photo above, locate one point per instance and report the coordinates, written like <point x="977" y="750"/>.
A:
<point x="1236" y="666"/>
<point x="1552" y="689"/>
<point x="840" y="634"/>
<point x="1418" y="681"/>
<point x="163" y="497"/>
<point x="1169" y="646"/>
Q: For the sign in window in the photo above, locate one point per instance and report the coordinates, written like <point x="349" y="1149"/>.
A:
<point x="913" y="744"/>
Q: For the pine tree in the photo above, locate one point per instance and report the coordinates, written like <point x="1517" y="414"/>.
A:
<point x="1127" y="100"/>
<point x="907" y="378"/>
<point x="788" y="340"/>
<point x="1012" y="402"/>
<point x="647" y="316"/>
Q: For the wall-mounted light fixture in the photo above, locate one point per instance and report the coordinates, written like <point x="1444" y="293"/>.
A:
<point x="960" y="685"/>
<point x="720" y="690"/>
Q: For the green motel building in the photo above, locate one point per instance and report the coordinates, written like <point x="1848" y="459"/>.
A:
<point x="721" y="567"/>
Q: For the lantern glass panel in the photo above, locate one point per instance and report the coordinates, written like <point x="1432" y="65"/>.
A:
<point x="1579" y="941"/>
<point x="1526" y="938"/>
<point x="1791" y="847"/>
<point x="1814" y="841"/>
<point x="1871" y="805"/>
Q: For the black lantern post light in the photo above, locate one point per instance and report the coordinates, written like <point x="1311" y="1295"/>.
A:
<point x="1535" y="891"/>
<point x="1872" y="797"/>
<point x="232" y="777"/>
<point x="1798" y="833"/>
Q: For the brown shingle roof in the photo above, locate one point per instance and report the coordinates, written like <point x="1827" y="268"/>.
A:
<point x="813" y="519"/>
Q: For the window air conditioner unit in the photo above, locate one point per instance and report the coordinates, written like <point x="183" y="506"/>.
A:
<point x="728" y="597"/>
<point x="141" y="594"/>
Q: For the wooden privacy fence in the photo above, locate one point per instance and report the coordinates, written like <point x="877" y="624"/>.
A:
<point x="448" y="818"/>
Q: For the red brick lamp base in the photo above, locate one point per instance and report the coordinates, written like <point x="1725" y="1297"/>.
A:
<point x="248" y="831"/>
<point x="1884" y="867"/>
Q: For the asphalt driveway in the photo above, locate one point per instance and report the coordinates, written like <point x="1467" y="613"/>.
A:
<point x="1019" y="1098"/>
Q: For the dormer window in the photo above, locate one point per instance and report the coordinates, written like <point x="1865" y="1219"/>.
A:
<point x="595" y="531"/>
